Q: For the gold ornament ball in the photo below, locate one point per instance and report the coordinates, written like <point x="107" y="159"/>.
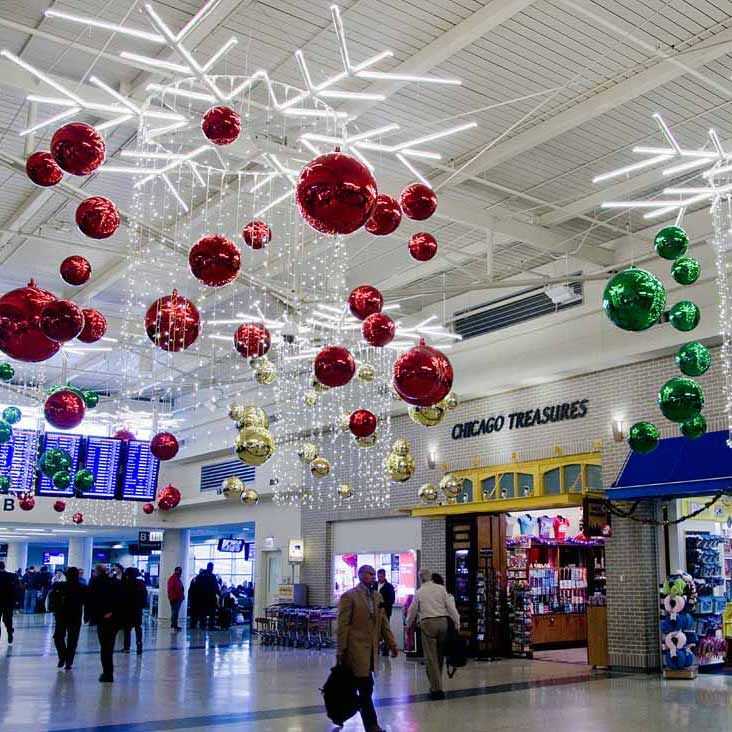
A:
<point x="450" y="401"/>
<point x="310" y="398"/>
<point x="366" y="373"/>
<point x="427" y="416"/>
<point x="344" y="422"/>
<point x="319" y="388"/>
<point x="236" y="411"/>
<point x="232" y="487"/>
<point x="400" y="447"/>
<point x="320" y="467"/>
<point x="451" y="485"/>
<point x="254" y="445"/>
<point x="345" y="490"/>
<point x="307" y="452"/>
<point x="427" y="493"/>
<point x="266" y="373"/>
<point x="258" y="362"/>
<point x="369" y="441"/>
<point x="252" y="416"/>
<point x="249" y="497"/>
<point x="399" y="468"/>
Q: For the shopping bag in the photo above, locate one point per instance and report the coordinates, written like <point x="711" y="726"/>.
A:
<point x="456" y="650"/>
<point x="339" y="695"/>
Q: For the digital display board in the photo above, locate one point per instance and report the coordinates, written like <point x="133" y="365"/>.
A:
<point x="18" y="460"/>
<point x="231" y="545"/>
<point x="102" y="458"/>
<point x="140" y="478"/>
<point x="68" y="443"/>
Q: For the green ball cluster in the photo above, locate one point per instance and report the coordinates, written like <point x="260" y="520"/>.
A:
<point x="61" y="479"/>
<point x="634" y="299"/>
<point x="693" y="359"/>
<point x="6" y="432"/>
<point x="6" y="371"/>
<point x="53" y="461"/>
<point x="686" y="270"/>
<point x="83" y="479"/>
<point x="91" y="399"/>
<point x="671" y="242"/>
<point x="684" y="316"/>
<point x="694" y="427"/>
<point x="643" y="437"/>
<point x="680" y="399"/>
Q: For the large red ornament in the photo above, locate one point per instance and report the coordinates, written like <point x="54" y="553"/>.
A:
<point x="378" y="330"/>
<point x="61" y="320"/>
<point x="20" y="333"/>
<point x="26" y="502"/>
<point x="43" y="170"/>
<point x="75" y="270"/>
<point x="336" y="194"/>
<point x="97" y="217"/>
<point x="59" y="506"/>
<point x="78" y="518"/>
<point x="95" y="326"/>
<point x="257" y="234"/>
<point x="164" y="446"/>
<point x="418" y="201"/>
<point x="252" y="340"/>
<point x="221" y="125"/>
<point x="385" y="217"/>
<point x="422" y="246"/>
<point x="124" y="434"/>
<point x="365" y="300"/>
<point x="172" y="322"/>
<point x="422" y="376"/>
<point x="78" y="148"/>
<point x="362" y="423"/>
<point x="334" y="366"/>
<point x="148" y="508"/>
<point x="214" y="260"/>
<point x="64" y="409"/>
<point x="168" y="498"/>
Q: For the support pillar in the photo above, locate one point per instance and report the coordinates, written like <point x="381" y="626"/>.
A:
<point x="176" y="544"/>
<point x="17" y="556"/>
<point x="80" y="554"/>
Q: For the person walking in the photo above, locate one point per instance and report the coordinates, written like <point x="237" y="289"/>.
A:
<point x="431" y="608"/>
<point x="134" y="600"/>
<point x="210" y="594"/>
<point x="104" y="609"/>
<point x="29" y="593"/>
<point x="361" y="625"/>
<point x="388" y="595"/>
<point x="8" y="593"/>
<point x="41" y="584"/>
<point x="176" y="593"/>
<point x="67" y="605"/>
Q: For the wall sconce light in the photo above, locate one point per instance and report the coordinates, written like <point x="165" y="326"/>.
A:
<point x="618" y="430"/>
<point x="432" y="458"/>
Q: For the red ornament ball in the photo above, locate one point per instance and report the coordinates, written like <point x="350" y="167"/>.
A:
<point x="78" y="518"/>
<point x="164" y="446"/>
<point x="43" y="170"/>
<point x="95" y="326"/>
<point x="172" y="322"/>
<point x="61" y="320"/>
<point x="97" y="217"/>
<point x="214" y="260"/>
<point x="59" y="506"/>
<point x="386" y="216"/>
<point x="21" y="337"/>
<point x="418" y="201"/>
<point x="334" y="366"/>
<point x="75" y="270"/>
<point x="168" y="498"/>
<point x="252" y="340"/>
<point x="422" y="376"/>
<point x="64" y="409"/>
<point x="26" y="502"/>
<point x="336" y="194"/>
<point x="124" y="434"/>
<point x="422" y="246"/>
<point x="221" y="125"/>
<point x="148" y="508"/>
<point x="257" y="234"/>
<point x="78" y="148"/>
<point x="362" y="423"/>
<point x="378" y="330"/>
<point x="365" y="300"/>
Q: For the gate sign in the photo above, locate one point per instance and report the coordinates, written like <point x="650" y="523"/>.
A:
<point x="151" y="540"/>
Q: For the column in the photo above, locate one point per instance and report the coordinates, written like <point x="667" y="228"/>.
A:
<point x="175" y="554"/>
<point x="80" y="554"/>
<point x="17" y="556"/>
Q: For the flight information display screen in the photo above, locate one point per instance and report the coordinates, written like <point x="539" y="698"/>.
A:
<point x="102" y="458"/>
<point x="140" y="478"/>
<point x="18" y="460"/>
<point x="68" y="443"/>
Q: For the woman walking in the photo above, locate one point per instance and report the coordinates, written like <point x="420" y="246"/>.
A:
<point x="134" y="599"/>
<point x="67" y="605"/>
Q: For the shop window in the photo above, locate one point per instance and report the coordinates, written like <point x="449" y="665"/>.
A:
<point x="573" y="478"/>
<point x="525" y="485"/>
<point x="594" y="477"/>
<point x="506" y="485"/>
<point x="488" y="488"/>
<point x="552" y="484"/>
<point x="466" y="495"/>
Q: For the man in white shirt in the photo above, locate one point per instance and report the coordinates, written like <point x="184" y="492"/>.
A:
<point x="431" y="608"/>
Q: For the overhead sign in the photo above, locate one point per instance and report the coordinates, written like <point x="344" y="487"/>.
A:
<point x="150" y="541"/>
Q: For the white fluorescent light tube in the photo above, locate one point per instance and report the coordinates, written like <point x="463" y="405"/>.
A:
<point x="224" y="322"/>
<point x="96" y="23"/>
<point x="643" y="150"/>
<point x="193" y="22"/>
<point x="358" y="68"/>
<point x="127" y="170"/>
<point x="717" y="144"/>
<point x="110" y="339"/>
<point x="73" y="349"/>
<point x="407" y="77"/>
<point x="300" y="58"/>
<point x="397" y="344"/>
<point x="424" y="154"/>
<point x="436" y="135"/>
<point x="686" y="191"/>
<point x="56" y="101"/>
<point x="300" y="357"/>
<point x="373" y="133"/>
<point x="198" y="96"/>
<point x="637" y="204"/>
<point x="310" y="146"/>
<point x="366" y="96"/>
<point x="667" y="132"/>
<point x="265" y="179"/>
<point x="149" y="155"/>
<point x="56" y="118"/>
<point x="114" y="122"/>
<point x="362" y="158"/>
<point x="443" y="334"/>
<point x="274" y="203"/>
<point x="333" y="308"/>
<point x="156" y="62"/>
<point x="114" y="93"/>
<point x="340" y="33"/>
<point x="302" y="112"/>
<point x="188" y="156"/>
<point x="157" y="131"/>
<point x="322" y="324"/>
<point x="175" y="193"/>
<point x="217" y="337"/>
<point x="221" y="52"/>
<point x="329" y="82"/>
<point x="682" y="167"/>
<point x="323" y="138"/>
<point x="431" y="319"/>
<point x="717" y="171"/>
<point x="661" y="212"/>
<point x="632" y="167"/>
<point x="43" y="77"/>
<point x="412" y="170"/>
<point x="194" y="170"/>
<point x="393" y="306"/>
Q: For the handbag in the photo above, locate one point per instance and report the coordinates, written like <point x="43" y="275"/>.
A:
<point x="456" y="650"/>
<point x="339" y="695"/>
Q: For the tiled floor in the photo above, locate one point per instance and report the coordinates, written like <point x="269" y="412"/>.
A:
<point x="220" y="682"/>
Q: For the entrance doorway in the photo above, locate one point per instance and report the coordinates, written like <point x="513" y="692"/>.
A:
<point x="273" y="576"/>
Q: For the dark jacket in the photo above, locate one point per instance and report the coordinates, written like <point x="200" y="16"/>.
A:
<point x="104" y="595"/>
<point x="209" y="588"/>
<point x="389" y="597"/>
<point x="8" y="589"/>
<point x="41" y="580"/>
<point x="67" y="601"/>
<point x="134" y="600"/>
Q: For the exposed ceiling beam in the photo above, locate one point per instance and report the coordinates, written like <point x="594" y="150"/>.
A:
<point x="30" y="206"/>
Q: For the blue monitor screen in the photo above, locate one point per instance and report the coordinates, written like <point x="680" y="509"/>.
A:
<point x="141" y="472"/>
<point x="18" y="460"/>
<point x="68" y="443"/>
<point x="102" y="458"/>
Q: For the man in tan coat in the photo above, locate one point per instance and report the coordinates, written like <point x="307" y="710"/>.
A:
<point x="362" y="623"/>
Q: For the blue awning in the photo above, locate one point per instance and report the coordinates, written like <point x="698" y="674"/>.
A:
<point x="678" y="467"/>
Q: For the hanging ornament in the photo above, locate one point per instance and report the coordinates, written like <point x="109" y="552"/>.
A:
<point x="59" y="506"/>
<point x="236" y="412"/>
<point x="53" y="460"/>
<point x="7" y="372"/>
<point x="693" y="359"/>
<point x="97" y="217"/>
<point x="671" y="242"/>
<point x="61" y="320"/>
<point x="257" y="234"/>
<point x="399" y="466"/>
<point x="427" y="416"/>
<point x="451" y="401"/>
<point x="61" y="480"/>
<point x="221" y="125"/>
<point x="12" y="415"/>
<point x="249" y="415"/>
<point x="401" y="446"/>
<point x="694" y="428"/>
<point x="266" y="373"/>
<point x="318" y="388"/>
<point x="362" y="423"/>
<point x="4" y="485"/>
<point x="252" y="340"/>
<point x="684" y="316"/>
<point x="643" y="437"/>
<point x="43" y="170"/>
<point x="232" y="487"/>
<point x="148" y="508"/>
<point x="78" y="518"/>
<point x="386" y="216"/>
<point x="214" y="260"/>
<point x="427" y="493"/>
<point x="422" y="246"/>
<point x="686" y="270"/>
<point x="249" y="497"/>
<point x="365" y="373"/>
<point x="378" y="330"/>
<point x="164" y="446"/>
<point x="172" y="322"/>
<point x="422" y="375"/>
<point x="258" y="362"/>
<point x="345" y="491"/>
<point x="168" y="498"/>
<point x="124" y="434"/>
<point x="91" y="399"/>
<point x="307" y="452"/>
<point x="680" y="399"/>
<point x="334" y="366"/>
<point x="6" y="432"/>
<point x="310" y="398"/>
<point x="64" y="409"/>
<point x="634" y="299"/>
<point x="320" y="467"/>
<point x="78" y="148"/>
<point x="83" y="480"/>
<point x="369" y="441"/>
<point x="254" y="445"/>
<point x="26" y="502"/>
<point x="21" y="337"/>
<point x="418" y="201"/>
<point x="451" y="485"/>
<point x="365" y="300"/>
<point x="335" y="194"/>
<point x="95" y="326"/>
<point x="75" y="270"/>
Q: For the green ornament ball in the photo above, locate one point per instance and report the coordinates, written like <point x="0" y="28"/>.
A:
<point x="91" y="399"/>
<point x="686" y="270"/>
<point x="12" y="415"/>
<point x="680" y="399"/>
<point x="694" y="427"/>
<point x="4" y="484"/>
<point x="54" y="460"/>
<point x="62" y="479"/>
<point x="643" y="437"/>
<point x="671" y="242"/>
<point x="684" y="316"/>
<point x="6" y="371"/>
<point x="634" y="299"/>
<point x="693" y="359"/>
<point x="84" y="479"/>
<point x="6" y="432"/>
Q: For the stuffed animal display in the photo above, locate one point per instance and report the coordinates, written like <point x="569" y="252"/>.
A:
<point x="678" y="597"/>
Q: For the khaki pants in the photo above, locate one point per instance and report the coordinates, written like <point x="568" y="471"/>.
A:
<point x="434" y="636"/>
